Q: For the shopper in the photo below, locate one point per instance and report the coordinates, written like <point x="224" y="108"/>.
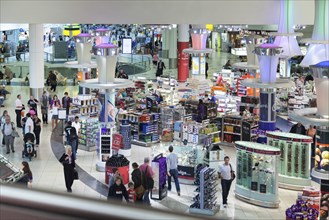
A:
<point x="66" y="102"/>
<point x="139" y="182"/>
<point x="28" y="177"/>
<point x="45" y="100"/>
<point x="2" y="122"/>
<point x="37" y="129"/>
<point x="207" y="68"/>
<point x="172" y="161"/>
<point x="155" y="59"/>
<point x="71" y="137"/>
<point x="52" y="79"/>
<point x="311" y="131"/>
<point x="67" y="160"/>
<point x="54" y="105"/>
<point x="115" y="173"/>
<point x="76" y="125"/>
<point x="148" y="173"/>
<point x="227" y="175"/>
<point x="131" y="193"/>
<point x="201" y="111"/>
<point x="7" y="132"/>
<point x="160" y="68"/>
<point x="118" y="191"/>
<point x="227" y="65"/>
<point x="32" y="104"/>
<point x="18" y="110"/>
<point x="29" y="125"/>
<point x="122" y="74"/>
<point x="298" y="129"/>
<point x="9" y="75"/>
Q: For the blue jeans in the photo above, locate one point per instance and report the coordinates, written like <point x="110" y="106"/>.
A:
<point x="174" y="174"/>
<point x="146" y="197"/>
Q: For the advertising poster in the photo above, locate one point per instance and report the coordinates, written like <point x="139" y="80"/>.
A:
<point x="202" y="65"/>
<point x="195" y="65"/>
<point x="112" y="111"/>
<point x="126" y="45"/>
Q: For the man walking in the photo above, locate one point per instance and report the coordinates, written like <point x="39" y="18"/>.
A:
<point x="227" y="175"/>
<point x="18" y="110"/>
<point x="45" y="100"/>
<point x="7" y="131"/>
<point x="66" y="101"/>
<point x="71" y="137"/>
<point x="172" y="171"/>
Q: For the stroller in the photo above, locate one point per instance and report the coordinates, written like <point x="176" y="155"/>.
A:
<point x="29" y="150"/>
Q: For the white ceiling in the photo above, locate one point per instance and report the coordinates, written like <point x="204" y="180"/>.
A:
<point x="256" y="12"/>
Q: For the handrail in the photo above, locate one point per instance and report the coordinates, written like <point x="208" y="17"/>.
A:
<point x="22" y="202"/>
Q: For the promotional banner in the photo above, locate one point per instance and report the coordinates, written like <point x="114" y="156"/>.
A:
<point x="183" y="61"/>
<point x="195" y="66"/>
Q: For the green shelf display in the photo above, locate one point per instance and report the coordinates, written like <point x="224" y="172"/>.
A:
<point x="294" y="163"/>
<point x="257" y="174"/>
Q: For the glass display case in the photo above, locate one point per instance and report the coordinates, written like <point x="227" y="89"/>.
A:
<point x="189" y="156"/>
<point x="295" y="159"/>
<point x="257" y="172"/>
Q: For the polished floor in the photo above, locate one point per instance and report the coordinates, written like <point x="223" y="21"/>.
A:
<point x="48" y="172"/>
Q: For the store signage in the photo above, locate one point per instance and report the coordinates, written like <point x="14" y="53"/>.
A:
<point x="126" y="45"/>
<point x="195" y="66"/>
<point x="246" y="128"/>
<point x="185" y="172"/>
<point x="202" y="65"/>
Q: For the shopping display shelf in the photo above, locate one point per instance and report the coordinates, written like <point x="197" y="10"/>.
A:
<point x="226" y="132"/>
<point x="144" y="144"/>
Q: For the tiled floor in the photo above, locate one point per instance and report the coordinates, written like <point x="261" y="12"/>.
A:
<point x="48" y="172"/>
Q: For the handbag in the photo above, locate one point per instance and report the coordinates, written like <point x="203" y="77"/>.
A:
<point x="75" y="174"/>
<point x="14" y="134"/>
<point x="232" y="173"/>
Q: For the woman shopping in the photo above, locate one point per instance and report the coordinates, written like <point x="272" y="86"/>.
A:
<point x="55" y="104"/>
<point x="67" y="160"/>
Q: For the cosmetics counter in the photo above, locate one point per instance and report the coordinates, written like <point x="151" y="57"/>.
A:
<point x="257" y="174"/>
<point x="295" y="159"/>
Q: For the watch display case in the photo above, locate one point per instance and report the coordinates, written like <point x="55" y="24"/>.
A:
<point x="159" y="167"/>
<point x="257" y="166"/>
<point x="294" y="163"/>
<point x="188" y="157"/>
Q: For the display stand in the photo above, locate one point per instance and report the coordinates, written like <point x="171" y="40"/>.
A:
<point x="62" y="118"/>
<point x="257" y="174"/>
<point x="294" y="163"/>
<point x="121" y="163"/>
<point x="125" y="131"/>
<point x="104" y="146"/>
<point x="159" y="167"/>
<point x="88" y="133"/>
<point x="205" y="200"/>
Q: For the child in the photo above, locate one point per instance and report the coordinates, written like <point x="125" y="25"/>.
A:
<point x="118" y="191"/>
<point x="131" y="192"/>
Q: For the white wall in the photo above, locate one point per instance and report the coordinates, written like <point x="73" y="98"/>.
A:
<point x="152" y="12"/>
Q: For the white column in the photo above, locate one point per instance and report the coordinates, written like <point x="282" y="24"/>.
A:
<point x="173" y="48"/>
<point x="165" y="43"/>
<point x="183" y="33"/>
<point x="36" y="62"/>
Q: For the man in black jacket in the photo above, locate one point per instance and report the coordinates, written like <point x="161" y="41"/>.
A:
<point x="139" y="182"/>
<point x="298" y="129"/>
<point x="71" y="137"/>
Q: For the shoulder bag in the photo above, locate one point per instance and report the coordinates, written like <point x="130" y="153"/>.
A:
<point x="232" y="173"/>
<point x="140" y="189"/>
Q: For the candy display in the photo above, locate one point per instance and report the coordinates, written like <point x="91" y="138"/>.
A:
<point x="88" y="132"/>
<point x="256" y="171"/>
<point x="125" y="131"/>
<point x="301" y="210"/>
<point x="294" y="163"/>
<point x="324" y="205"/>
<point x="159" y="167"/>
<point x="121" y="163"/>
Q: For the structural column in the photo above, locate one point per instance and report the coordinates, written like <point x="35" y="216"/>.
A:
<point x="165" y="43"/>
<point x="36" y="62"/>
<point x="183" y="58"/>
<point x="173" y="48"/>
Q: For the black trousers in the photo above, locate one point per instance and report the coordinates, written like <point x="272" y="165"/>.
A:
<point x="226" y="185"/>
<point x="69" y="176"/>
<point x="44" y="112"/>
<point x="18" y="118"/>
<point x="53" y="87"/>
<point x="37" y="135"/>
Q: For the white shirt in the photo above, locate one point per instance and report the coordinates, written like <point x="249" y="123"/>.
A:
<point x="7" y="129"/>
<point x="225" y="171"/>
<point x="18" y="103"/>
<point x="29" y="122"/>
<point x="76" y="126"/>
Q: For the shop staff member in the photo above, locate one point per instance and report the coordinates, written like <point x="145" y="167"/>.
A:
<point x="172" y="171"/>
<point x="226" y="174"/>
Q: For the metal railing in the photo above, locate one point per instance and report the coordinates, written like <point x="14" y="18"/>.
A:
<point x="23" y="203"/>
